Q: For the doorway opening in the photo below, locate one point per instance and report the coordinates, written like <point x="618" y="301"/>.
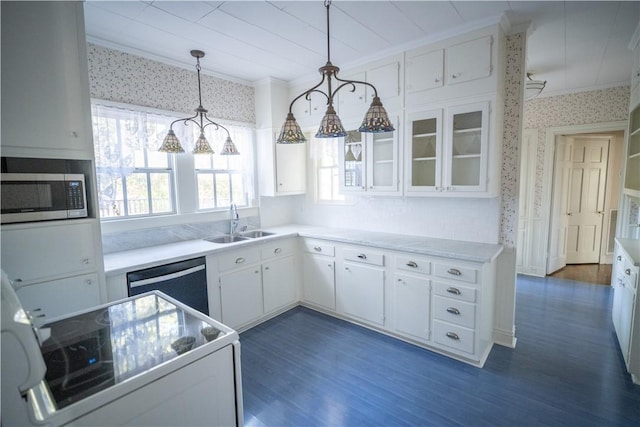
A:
<point x="568" y="214"/>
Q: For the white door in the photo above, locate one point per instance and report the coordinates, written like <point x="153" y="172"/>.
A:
<point x="558" y="229"/>
<point x="586" y="199"/>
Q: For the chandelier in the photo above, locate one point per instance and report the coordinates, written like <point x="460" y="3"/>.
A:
<point x="171" y="144"/>
<point x="375" y="120"/>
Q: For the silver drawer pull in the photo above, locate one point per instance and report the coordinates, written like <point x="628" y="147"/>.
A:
<point x="239" y="260"/>
<point x="453" y="310"/>
<point x="619" y="258"/>
<point x="362" y="256"/>
<point x="454" y="291"/>
<point x="627" y="272"/>
<point x="277" y="250"/>
<point x="412" y="264"/>
<point x="453" y="335"/>
<point x="317" y="248"/>
<point x="454" y="271"/>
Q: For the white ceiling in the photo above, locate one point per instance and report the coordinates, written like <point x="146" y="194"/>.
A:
<point x="574" y="45"/>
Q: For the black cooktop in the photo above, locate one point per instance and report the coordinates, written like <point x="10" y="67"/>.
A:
<point x="94" y="350"/>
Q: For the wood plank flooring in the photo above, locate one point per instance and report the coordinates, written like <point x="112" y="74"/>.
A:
<point x="590" y="273"/>
<point x="304" y="368"/>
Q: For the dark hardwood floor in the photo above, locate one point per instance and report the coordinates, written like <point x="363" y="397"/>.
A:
<point x="599" y="274"/>
<point x="303" y="368"/>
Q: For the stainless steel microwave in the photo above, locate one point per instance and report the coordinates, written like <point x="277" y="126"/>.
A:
<point x="30" y="197"/>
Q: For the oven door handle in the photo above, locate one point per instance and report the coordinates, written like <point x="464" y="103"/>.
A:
<point x="170" y="276"/>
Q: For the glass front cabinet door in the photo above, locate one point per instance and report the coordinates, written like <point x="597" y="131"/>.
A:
<point x="447" y="151"/>
<point x="369" y="162"/>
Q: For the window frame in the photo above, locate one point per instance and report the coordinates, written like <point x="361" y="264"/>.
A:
<point x="183" y="177"/>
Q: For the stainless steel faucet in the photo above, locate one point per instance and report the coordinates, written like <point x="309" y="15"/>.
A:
<point x="234" y="218"/>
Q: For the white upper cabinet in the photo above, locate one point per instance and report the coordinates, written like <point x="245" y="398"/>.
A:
<point x="460" y="67"/>
<point x="352" y="99"/>
<point x="448" y="157"/>
<point x="468" y="61"/>
<point x="282" y="168"/>
<point x="369" y="162"/>
<point x="425" y="70"/>
<point x="45" y="83"/>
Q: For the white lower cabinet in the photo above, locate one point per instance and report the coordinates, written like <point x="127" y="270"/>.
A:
<point x="411" y="303"/>
<point x="278" y="283"/>
<point x="318" y="274"/>
<point x="241" y="296"/>
<point x="625" y="310"/>
<point x="360" y="285"/>
<point x="60" y="297"/>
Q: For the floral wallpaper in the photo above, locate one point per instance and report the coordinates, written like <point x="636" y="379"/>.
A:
<point x="122" y="77"/>
<point x="511" y="140"/>
<point x="598" y="106"/>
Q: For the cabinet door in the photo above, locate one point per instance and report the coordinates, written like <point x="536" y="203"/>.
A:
<point x="278" y="284"/>
<point x="44" y="75"/>
<point x="412" y="305"/>
<point x="352" y="162"/>
<point x="423" y="163"/>
<point x="352" y="104"/>
<point x="424" y="70"/>
<point x="386" y="79"/>
<point x="465" y="148"/>
<point x="319" y="281"/>
<point x="469" y="61"/>
<point x="382" y="161"/>
<point x="627" y="303"/>
<point x="360" y="292"/>
<point x="60" y="297"/>
<point x="241" y="296"/>
<point x="291" y="168"/>
<point x="37" y="254"/>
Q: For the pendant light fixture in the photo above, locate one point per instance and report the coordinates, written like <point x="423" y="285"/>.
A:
<point x="375" y="120"/>
<point x="171" y="144"/>
<point x="533" y="88"/>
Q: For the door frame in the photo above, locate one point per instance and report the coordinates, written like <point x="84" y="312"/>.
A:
<point x="549" y="156"/>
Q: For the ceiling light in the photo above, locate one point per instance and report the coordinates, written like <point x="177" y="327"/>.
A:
<point x="171" y="144"/>
<point x="375" y="120"/>
<point x="533" y="88"/>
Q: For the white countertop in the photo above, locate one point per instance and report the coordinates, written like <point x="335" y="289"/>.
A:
<point x="136" y="259"/>
<point x="632" y="248"/>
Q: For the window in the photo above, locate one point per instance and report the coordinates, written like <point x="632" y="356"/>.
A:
<point x="135" y="180"/>
<point x="324" y="151"/>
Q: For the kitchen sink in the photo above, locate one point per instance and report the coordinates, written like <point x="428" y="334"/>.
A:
<point x="226" y="238"/>
<point x="256" y="233"/>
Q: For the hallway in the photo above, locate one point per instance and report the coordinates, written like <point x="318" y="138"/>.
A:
<point x="599" y="274"/>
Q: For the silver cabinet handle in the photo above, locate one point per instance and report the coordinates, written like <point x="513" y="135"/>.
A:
<point x="362" y="256"/>
<point x="412" y="264"/>
<point x="85" y="261"/>
<point x="454" y="291"/>
<point x="453" y="310"/>
<point x="454" y="271"/>
<point x="266" y="268"/>
<point x="619" y="258"/>
<point x="627" y="272"/>
<point x="317" y="248"/>
<point x="453" y="335"/>
<point x="88" y="282"/>
<point x="347" y="268"/>
<point x="455" y="76"/>
<point x="329" y="265"/>
<point x="277" y="250"/>
<point x="239" y="260"/>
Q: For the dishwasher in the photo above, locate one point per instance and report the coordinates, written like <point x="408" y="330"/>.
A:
<point x="185" y="281"/>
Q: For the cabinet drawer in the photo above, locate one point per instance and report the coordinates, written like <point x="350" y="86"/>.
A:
<point x="414" y="264"/>
<point x="452" y="311"/>
<point x="318" y="247"/>
<point x="455" y="291"/>
<point x="237" y="259"/>
<point x="454" y="337"/>
<point x="277" y="248"/>
<point x="456" y="272"/>
<point x="365" y="256"/>
<point x="630" y="276"/>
